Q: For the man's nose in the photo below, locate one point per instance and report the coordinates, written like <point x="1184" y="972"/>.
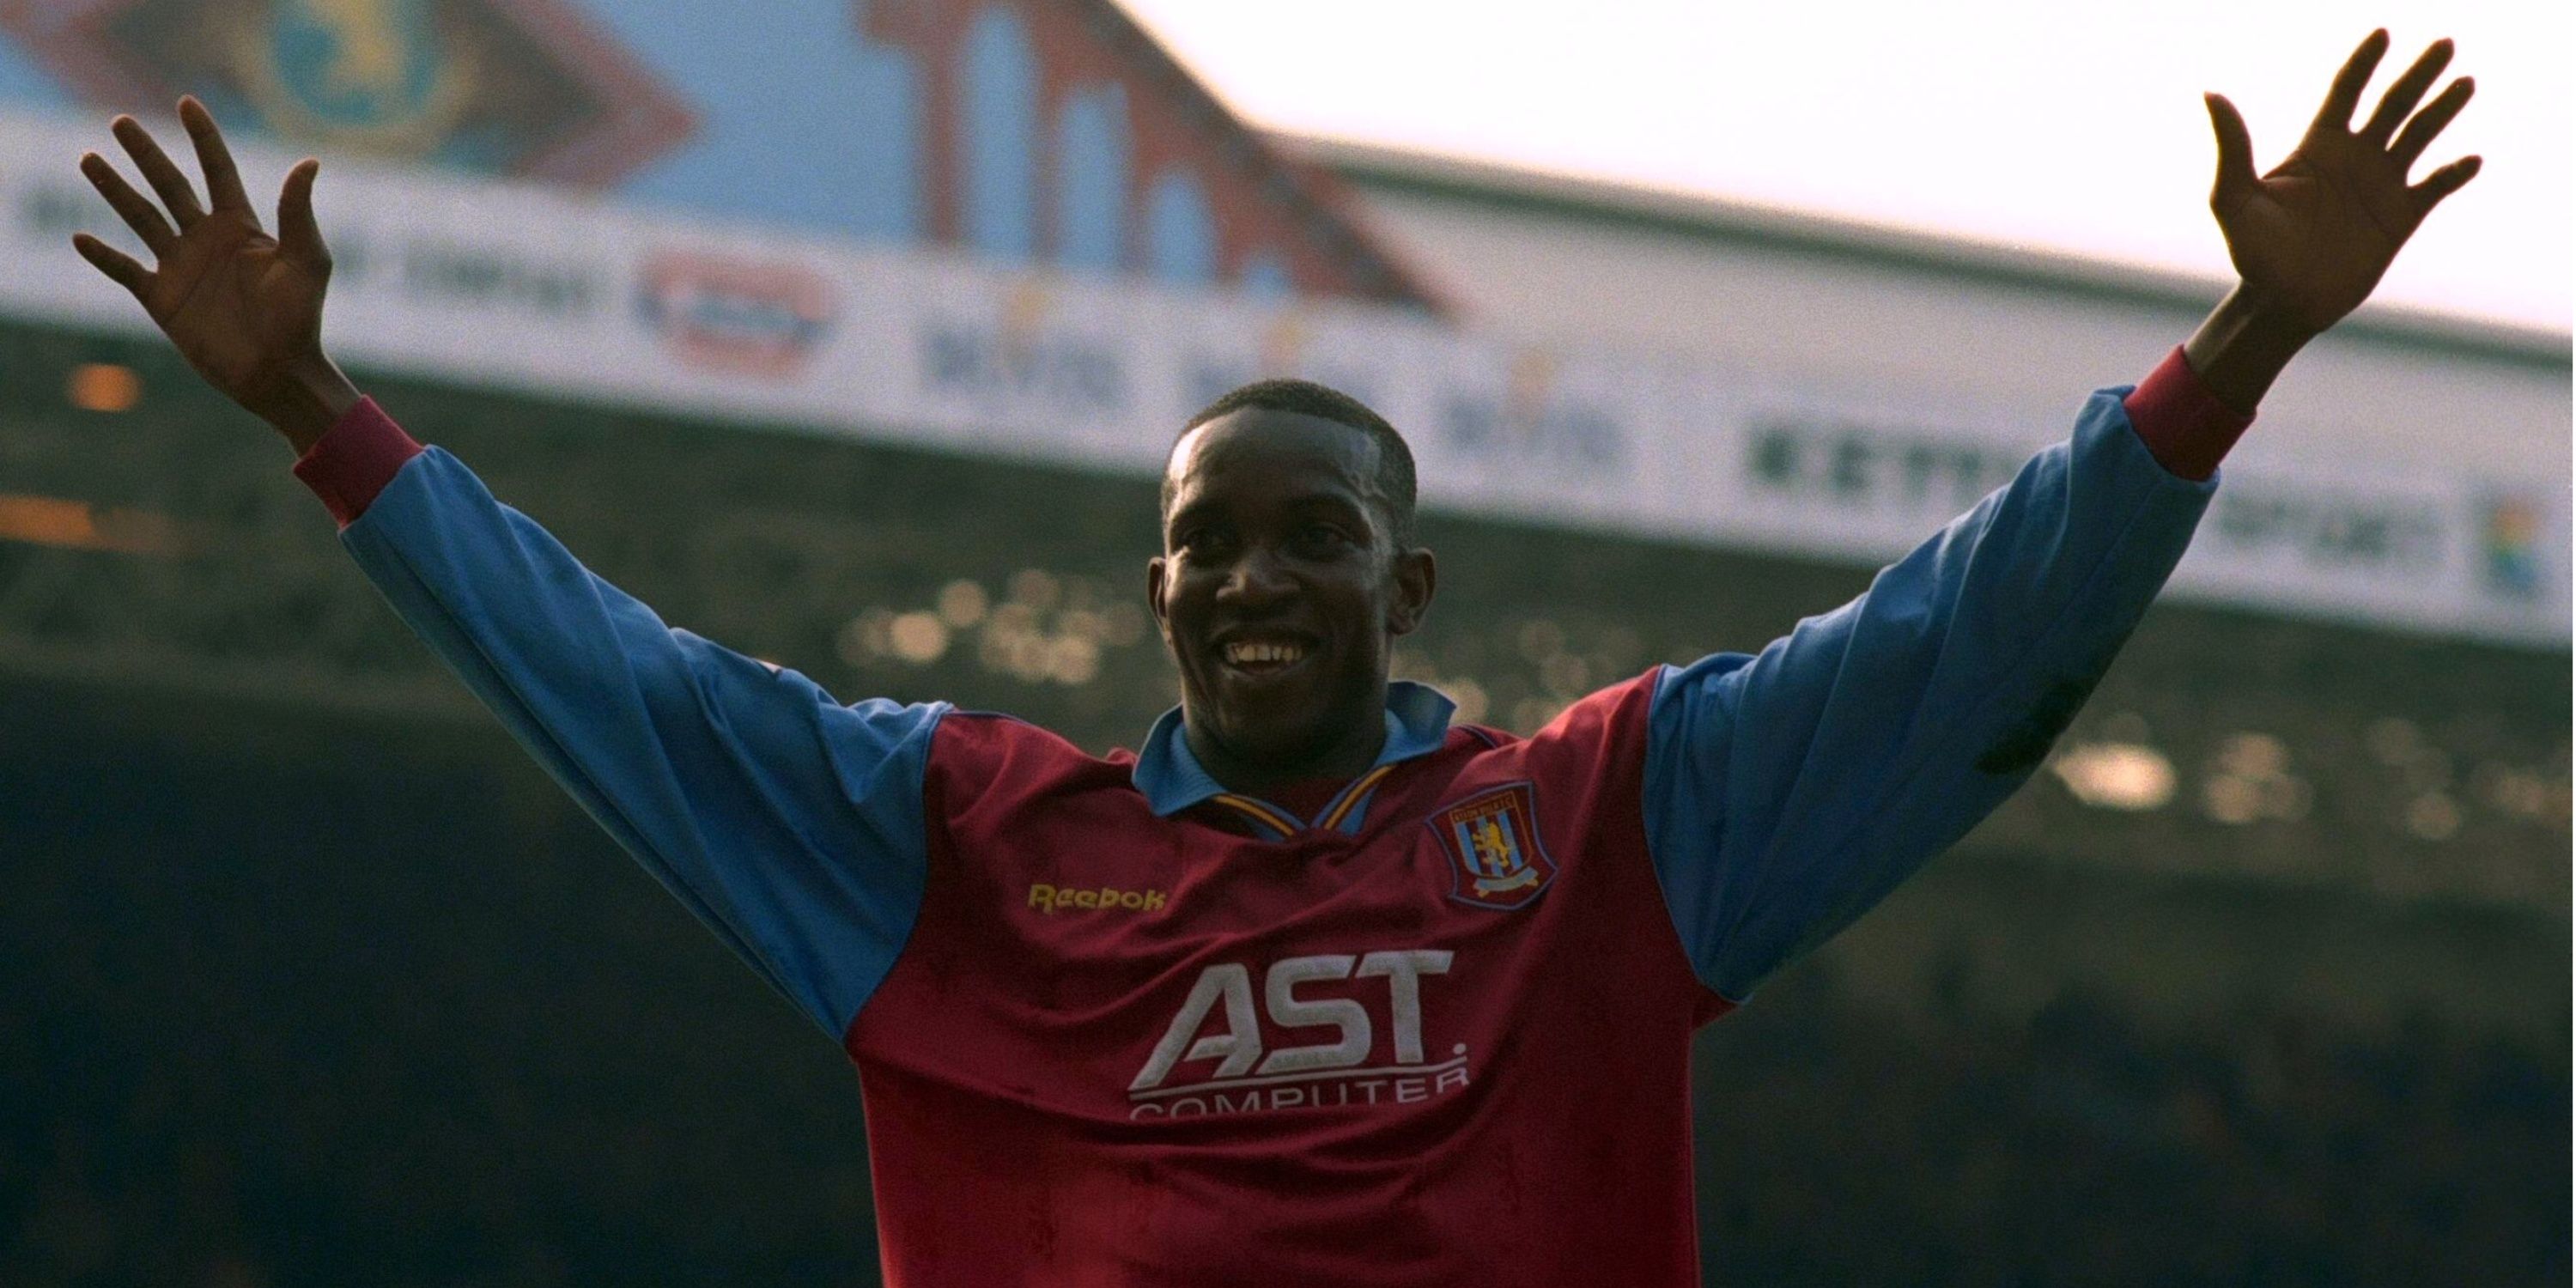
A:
<point x="1259" y="577"/>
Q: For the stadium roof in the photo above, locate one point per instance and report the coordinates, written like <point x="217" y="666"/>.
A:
<point x="1741" y="225"/>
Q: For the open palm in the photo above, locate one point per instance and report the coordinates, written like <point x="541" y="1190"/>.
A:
<point x="2311" y="237"/>
<point x="241" y="306"/>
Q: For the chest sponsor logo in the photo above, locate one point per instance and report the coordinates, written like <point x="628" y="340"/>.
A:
<point x="1496" y="859"/>
<point x="1220" y="1022"/>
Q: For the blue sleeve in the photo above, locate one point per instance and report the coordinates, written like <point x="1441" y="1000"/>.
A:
<point x="790" y="824"/>
<point x="1788" y="792"/>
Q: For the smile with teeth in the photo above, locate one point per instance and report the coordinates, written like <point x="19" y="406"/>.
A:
<point x="1243" y="653"/>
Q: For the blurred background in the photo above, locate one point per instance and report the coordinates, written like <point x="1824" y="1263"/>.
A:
<point x="851" y="334"/>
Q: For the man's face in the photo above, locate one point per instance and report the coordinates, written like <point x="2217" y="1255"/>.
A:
<point x="1279" y="590"/>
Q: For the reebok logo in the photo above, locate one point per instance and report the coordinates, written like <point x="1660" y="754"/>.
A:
<point x="1051" y="899"/>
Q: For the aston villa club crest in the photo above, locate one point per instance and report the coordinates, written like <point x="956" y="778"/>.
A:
<point x="1495" y="854"/>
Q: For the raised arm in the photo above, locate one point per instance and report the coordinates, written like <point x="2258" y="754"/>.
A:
<point x="1787" y="793"/>
<point x="792" y="825"/>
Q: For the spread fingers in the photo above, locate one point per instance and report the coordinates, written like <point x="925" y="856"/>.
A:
<point x="159" y="171"/>
<point x="137" y="211"/>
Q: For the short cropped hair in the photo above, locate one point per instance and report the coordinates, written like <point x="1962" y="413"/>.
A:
<point x="1395" y="480"/>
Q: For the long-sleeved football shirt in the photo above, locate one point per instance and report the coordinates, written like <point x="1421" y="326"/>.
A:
<point x="1117" y="1025"/>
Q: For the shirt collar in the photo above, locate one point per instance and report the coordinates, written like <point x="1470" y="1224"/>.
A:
<point x="1417" y="722"/>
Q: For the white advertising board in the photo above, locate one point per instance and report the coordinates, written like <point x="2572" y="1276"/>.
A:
<point x="537" y="289"/>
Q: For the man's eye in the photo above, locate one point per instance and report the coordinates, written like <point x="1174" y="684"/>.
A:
<point x="1321" y="536"/>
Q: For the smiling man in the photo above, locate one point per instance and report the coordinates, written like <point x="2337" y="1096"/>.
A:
<point x="1319" y="987"/>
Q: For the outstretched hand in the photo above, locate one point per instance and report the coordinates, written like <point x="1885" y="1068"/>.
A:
<point x="244" y="308"/>
<point x="2312" y="236"/>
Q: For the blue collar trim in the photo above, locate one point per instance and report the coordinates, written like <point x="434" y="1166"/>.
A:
<point x="1417" y="722"/>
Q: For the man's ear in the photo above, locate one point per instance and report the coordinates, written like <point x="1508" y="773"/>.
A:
<point x="1155" y="581"/>
<point x="1417" y="575"/>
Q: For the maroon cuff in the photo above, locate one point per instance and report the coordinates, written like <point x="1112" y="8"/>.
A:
<point x="355" y="459"/>
<point x="2184" y="426"/>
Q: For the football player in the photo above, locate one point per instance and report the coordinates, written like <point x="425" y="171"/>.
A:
<point x="1319" y="986"/>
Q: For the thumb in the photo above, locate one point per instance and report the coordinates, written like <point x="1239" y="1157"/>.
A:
<point x="2236" y="179"/>
<point x="297" y="234"/>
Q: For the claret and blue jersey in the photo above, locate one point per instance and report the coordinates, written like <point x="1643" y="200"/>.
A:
<point x="1116" y="1024"/>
